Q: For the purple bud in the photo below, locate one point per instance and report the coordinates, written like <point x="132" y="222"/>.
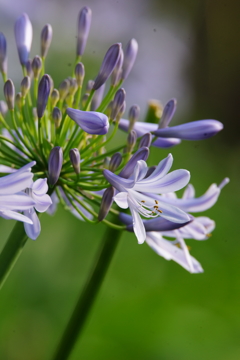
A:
<point x="129" y="58"/>
<point x="36" y="66"/>
<point x="79" y="73"/>
<point x="46" y="39"/>
<point x="168" y="112"/>
<point x="97" y="97"/>
<point x="106" y="203"/>
<point x="109" y="62"/>
<point x="116" y="74"/>
<point x="9" y="93"/>
<point x="57" y="116"/>
<point x="89" y="86"/>
<point x="64" y="88"/>
<point x="141" y="154"/>
<point x="115" y="161"/>
<point x="29" y="68"/>
<point x="145" y="140"/>
<point x="122" y="109"/>
<point x="3" y="54"/>
<point x="157" y="224"/>
<point x="75" y="159"/>
<point x="118" y="101"/>
<point x="54" y="97"/>
<point x="131" y="140"/>
<point x="195" y="130"/>
<point x="55" y="164"/>
<point x="84" y="23"/>
<point x="92" y="122"/>
<point x="44" y="88"/>
<point x="23" y="37"/>
<point x="133" y="116"/>
<point x="25" y="85"/>
<point x="73" y="86"/>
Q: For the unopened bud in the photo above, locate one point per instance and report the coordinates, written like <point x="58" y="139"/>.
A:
<point x="109" y="62"/>
<point x="9" y="93"/>
<point x="89" y="86"/>
<point x="19" y="100"/>
<point x="23" y="37"/>
<point x="55" y="164"/>
<point x="36" y="66"/>
<point x="75" y="160"/>
<point x="168" y="112"/>
<point x="3" y="54"/>
<point x="79" y="73"/>
<point x="54" y="97"/>
<point x="97" y="97"/>
<point x="129" y="58"/>
<point x="46" y="39"/>
<point x="106" y="203"/>
<point x="145" y="140"/>
<point x="25" y="85"/>
<point x="84" y="23"/>
<point x="122" y="110"/>
<point x="3" y="107"/>
<point x="43" y="94"/>
<point x="116" y="74"/>
<point x="133" y="116"/>
<point x="63" y="89"/>
<point x="73" y="87"/>
<point x="115" y="161"/>
<point x="118" y="101"/>
<point x="29" y="69"/>
<point x="131" y="140"/>
<point x="57" y="116"/>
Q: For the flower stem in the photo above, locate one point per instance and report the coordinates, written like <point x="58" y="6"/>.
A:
<point x="87" y="297"/>
<point x="11" y="251"/>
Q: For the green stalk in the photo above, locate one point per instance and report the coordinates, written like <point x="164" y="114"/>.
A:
<point x="12" y="250"/>
<point x="88" y="296"/>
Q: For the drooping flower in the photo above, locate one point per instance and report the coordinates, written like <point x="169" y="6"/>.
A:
<point x="12" y="197"/>
<point x="137" y="193"/>
<point x="38" y="192"/>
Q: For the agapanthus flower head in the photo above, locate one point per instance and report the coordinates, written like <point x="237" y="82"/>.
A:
<point x="40" y="139"/>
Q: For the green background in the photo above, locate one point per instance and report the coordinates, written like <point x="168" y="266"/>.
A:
<point x="148" y="308"/>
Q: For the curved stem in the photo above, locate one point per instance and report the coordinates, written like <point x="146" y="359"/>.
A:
<point x="88" y="296"/>
<point x="11" y="251"/>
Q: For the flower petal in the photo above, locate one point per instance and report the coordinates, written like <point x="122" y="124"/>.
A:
<point x="33" y="230"/>
<point x="118" y="182"/>
<point x="92" y="122"/>
<point x="138" y="226"/>
<point x="121" y="199"/>
<point x="195" y="130"/>
<point x="20" y="201"/>
<point x="162" y="169"/>
<point x="40" y="186"/>
<point x="173" y="181"/>
<point x="13" y="215"/>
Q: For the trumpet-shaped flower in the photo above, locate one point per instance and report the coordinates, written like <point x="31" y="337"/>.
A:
<point x="38" y="192"/>
<point x="92" y="122"/>
<point x="12" y="197"/>
<point x="138" y="193"/>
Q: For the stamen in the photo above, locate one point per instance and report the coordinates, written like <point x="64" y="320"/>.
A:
<point x="156" y="202"/>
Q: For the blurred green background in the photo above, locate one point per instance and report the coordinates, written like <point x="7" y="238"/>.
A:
<point x="148" y="308"/>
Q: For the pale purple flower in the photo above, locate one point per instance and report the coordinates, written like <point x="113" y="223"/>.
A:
<point x="38" y="192"/>
<point x="23" y="37"/>
<point x="12" y="197"/>
<point x="92" y="122"/>
<point x="138" y="192"/>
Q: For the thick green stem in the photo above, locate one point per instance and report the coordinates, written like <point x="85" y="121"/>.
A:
<point x="11" y="251"/>
<point x="88" y="296"/>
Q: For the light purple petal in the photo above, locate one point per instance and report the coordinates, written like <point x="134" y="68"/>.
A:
<point x="42" y="202"/>
<point x="118" y="182"/>
<point x="169" y="251"/>
<point x="40" y="187"/>
<point x="173" y="181"/>
<point x="166" y="142"/>
<point x="121" y="199"/>
<point x="138" y="226"/>
<point x="13" y="215"/>
<point x="141" y="154"/>
<point x="162" y="169"/>
<point x="33" y="230"/>
<point x="195" y="130"/>
<point x="189" y="192"/>
<point x="20" y="201"/>
<point x="140" y="170"/>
